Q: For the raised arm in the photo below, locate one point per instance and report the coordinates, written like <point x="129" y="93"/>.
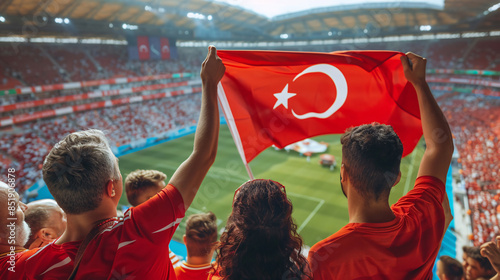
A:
<point x="188" y="177"/>
<point x="437" y="134"/>
<point x="437" y="157"/>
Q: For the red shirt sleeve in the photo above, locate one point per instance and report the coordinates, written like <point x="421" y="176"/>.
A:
<point x="157" y="218"/>
<point x="424" y="206"/>
<point x="428" y="192"/>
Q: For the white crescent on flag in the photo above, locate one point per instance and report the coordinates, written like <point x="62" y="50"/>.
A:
<point x="143" y="48"/>
<point x="340" y="84"/>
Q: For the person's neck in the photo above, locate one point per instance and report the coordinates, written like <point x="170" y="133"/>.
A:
<point x="199" y="260"/>
<point x="39" y="243"/>
<point x="79" y="225"/>
<point x="363" y="210"/>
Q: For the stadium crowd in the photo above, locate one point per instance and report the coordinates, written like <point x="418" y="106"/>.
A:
<point x="477" y="140"/>
<point x="124" y="124"/>
<point x="24" y="147"/>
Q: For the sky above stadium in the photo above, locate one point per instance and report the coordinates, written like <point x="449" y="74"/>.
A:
<point x="271" y="8"/>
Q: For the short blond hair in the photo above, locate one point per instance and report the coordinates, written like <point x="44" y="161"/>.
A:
<point x="140" y="180"/>
<point x="201" y="233"/>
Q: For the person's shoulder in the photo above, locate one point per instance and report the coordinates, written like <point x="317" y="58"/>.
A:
<point x="427" y="181"/>
<point x="334" y="241"/>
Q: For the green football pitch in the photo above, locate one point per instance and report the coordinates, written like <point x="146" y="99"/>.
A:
<point x="319" y="207"/>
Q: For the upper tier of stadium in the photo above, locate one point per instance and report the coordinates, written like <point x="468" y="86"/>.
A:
<point x="201" y="19"/>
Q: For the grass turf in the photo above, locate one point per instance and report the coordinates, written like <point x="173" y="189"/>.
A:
<point x="320" y="208"/>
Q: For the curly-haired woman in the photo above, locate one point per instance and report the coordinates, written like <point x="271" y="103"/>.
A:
<point x="260" y="240"/>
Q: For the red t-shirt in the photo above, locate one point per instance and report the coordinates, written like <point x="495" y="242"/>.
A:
<point x="7" y="271"/>
<point x="404" y="248"/>
<point x="134" y="248"/>
<point x="192" y="272"/>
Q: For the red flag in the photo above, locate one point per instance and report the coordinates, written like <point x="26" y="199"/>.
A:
<point x="165" y="48"/>
<point x="280" y="98"/>
<point x="143" y="47"/>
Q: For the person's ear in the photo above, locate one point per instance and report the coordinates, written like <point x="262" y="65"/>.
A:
<point x="184" y="239"/>
<point x="343" y="173"/>
<point x="110" y="188"/>
<point x="397" y="179"/>
<point x="47" y="235"/>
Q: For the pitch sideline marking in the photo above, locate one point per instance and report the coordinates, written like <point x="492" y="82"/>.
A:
<point x="313" y="213"/>
<point x="302" y="226"/>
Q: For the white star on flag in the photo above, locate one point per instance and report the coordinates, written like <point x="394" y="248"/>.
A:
<point x="282" y="97"/>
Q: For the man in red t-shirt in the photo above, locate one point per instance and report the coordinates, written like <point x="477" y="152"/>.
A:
<point x="141" y="185"/>
<point x="82" y="174"/>
<point x="383" y="242"/>
<point x="200" y="240"/>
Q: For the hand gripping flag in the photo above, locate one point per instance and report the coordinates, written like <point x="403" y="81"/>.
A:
<point x="279" y="98"/>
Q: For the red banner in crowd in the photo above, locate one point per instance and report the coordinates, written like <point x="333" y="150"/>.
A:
<point x="283" y="97"/>
<point x="90" y="95"/>
<point x="143" y="47"/>
<point x="91" y="106"/>
<point x="165" y="48"/>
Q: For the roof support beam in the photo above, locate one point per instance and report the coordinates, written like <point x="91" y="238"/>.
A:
<point x="94" y="11"/>
<point x="42" y="5"/>
<point x="118" y="13"/>
<point x="134" y="17"/>
<point x="5" y="5"/>
<point x="70" y="8"/>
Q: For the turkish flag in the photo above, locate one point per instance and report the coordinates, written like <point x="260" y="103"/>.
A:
<point x="143" y="47"/>
<point x="280" y="98"/>
<point x="165" y="48"/>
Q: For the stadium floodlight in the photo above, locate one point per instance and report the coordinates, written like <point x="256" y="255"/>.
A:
<point x="196" y="15"/>
<point x="161" y="10"/>
<point x="284" y="36"/>
<point x="2" y="19"/>
<point x="148" y="8"/>
<point x="111" y="25"/>
<point x="58" y="20"/>
<point x="330" y="33"/>
<point x="130" y="26"/>
<point x="425" y="28"/>
<point x="66" y="20"/>
<point x="494" y="8"/>
<point x="209" y="17"/>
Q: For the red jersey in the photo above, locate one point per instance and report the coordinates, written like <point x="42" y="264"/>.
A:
<point x="134" y="248"/>
<point x="174" y="259"/>
<point x="9" y="271"/>
<point x="404" y="248"/>
<point x="192" y="272"/>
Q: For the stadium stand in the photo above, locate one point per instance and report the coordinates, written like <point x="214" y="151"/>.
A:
<point x="475" y="125"/>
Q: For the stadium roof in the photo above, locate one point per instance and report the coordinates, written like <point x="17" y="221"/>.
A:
<point x="202" y="19"/>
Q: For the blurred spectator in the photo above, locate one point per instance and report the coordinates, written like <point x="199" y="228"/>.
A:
<point x="141" y="185"/>
<point x="13" y="234"/>
<point x="449" y="269"/>
<point x="200" y="240"/>
<point x="47" y="222"/>
<point x="478" y="266"/>
<point x="491" y="250"/>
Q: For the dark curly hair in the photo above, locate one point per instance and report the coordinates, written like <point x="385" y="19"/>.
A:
<point x="261" y="239"/>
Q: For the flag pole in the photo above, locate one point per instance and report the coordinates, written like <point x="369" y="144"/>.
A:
<point x="232" y="127"/>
